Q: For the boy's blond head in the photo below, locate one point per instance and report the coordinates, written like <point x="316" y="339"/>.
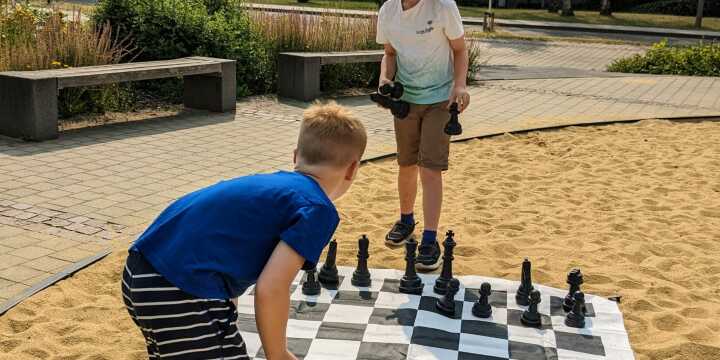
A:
<point x="330" y="135"/>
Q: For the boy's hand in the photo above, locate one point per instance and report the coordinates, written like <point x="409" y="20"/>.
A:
<point x="461" y="96"/>
<point x="272" y="300"/>
<point x="382" y="82"/>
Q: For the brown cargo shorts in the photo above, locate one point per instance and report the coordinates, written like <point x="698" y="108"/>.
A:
<point x="421" y="138"/>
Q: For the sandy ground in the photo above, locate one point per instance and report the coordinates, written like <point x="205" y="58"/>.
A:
<point x="636" y="206"/>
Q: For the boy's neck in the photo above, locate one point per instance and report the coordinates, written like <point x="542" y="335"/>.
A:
<point x="409" y="4"/>
<point x="324" y="176"/>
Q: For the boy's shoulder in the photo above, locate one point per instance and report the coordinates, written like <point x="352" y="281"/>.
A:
<point x="388" y="7"/>
<point x="287" y="186"/>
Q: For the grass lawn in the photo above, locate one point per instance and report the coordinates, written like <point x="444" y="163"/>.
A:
<point x="587" y="17"/>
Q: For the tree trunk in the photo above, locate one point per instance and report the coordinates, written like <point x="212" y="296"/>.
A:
<point x="567" y="8"/>
<point x="605" y="8"/>
<point x="699" y="16"/>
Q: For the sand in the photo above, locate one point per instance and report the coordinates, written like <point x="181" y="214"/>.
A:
<point x="636" y="206"/>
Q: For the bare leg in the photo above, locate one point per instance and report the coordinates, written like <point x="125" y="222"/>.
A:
<point x="407" y="188"/>
<point x="432" y="196"/>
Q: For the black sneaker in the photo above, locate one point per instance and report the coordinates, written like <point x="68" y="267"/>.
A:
<point x="428" y="257"/>
<point x="399" y="234"/>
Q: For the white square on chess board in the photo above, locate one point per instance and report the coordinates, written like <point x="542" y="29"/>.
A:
<point x="348" y="314"/>
<point x="393" y="334"/>
<point x="324" y="349"/>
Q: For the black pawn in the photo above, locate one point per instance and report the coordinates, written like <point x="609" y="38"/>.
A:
<point x="576" y="317"/>
<point x="311" y="286"/>
<point x="482" y="308"/>
<point x="522" y="297"/>
<point x="453" y="126"/>
<point x="361" y="276"/>
<point x="574" y="279"/>
<point x="328" y="275"/>
<point x="446" y="274"/>
<point x="446" y="304"/>
<point x="410" y="282"/>
<point x="531" y="317"/>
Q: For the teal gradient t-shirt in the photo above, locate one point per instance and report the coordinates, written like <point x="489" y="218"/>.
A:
<point x="421" y="37"/>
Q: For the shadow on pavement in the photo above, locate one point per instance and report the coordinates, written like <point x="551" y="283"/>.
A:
<point x="111" y="132"/>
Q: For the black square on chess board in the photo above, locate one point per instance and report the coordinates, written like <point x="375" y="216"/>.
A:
<point x="379" y="322"/>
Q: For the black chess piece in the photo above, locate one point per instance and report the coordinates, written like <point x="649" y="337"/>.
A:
<point x="410" y="282"/>
<point x="328" y="275"/>
<point x="446" y="304"/>
<point x="361" y="276"/>
<point x="482" y="308"/>
<point x="576" y="317"/>
<point x="531" y="317"/>
<point x="453" y="126"/>
<point x="574" y="279"/>
<point x="522" y="297"/>
<point x="446" y="274"/>
<point x="311" y="286"/>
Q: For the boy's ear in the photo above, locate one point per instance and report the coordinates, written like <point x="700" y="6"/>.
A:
<point x="352" y="170"/>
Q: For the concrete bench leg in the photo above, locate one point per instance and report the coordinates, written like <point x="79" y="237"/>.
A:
<point x="214" y="92"/>
<point x="29" y="108"/>
<point x="299" y="77"/>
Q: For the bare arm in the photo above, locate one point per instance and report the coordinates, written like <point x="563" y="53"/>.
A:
<point x="388" y="66"/>
<point x="460" y="56"/>
<point x="272" y="300"/>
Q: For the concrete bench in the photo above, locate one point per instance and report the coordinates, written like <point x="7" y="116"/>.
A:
<point x="299" y="73"/>
<point x="29" y="105"/>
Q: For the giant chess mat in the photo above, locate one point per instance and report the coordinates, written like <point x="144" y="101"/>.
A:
<point x="379" y="322"/>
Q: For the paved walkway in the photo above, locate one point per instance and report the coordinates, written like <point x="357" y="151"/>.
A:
<point x="554" y="53"/>
<point x="62" y="200"/>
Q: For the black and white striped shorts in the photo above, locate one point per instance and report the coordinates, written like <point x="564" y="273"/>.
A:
<point x="175" y="324"/>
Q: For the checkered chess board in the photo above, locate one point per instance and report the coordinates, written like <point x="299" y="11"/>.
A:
<point x="379" y="322"/>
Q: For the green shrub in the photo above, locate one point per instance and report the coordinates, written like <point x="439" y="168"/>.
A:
<point x="331" y="32"/>
<point x="678" y="7"/>
<point x="697" y="60"/>
<point x="169" y="29"/>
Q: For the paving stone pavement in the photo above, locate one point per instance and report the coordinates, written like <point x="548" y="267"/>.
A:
<point x="63" y="200"/>
<point x="558" y="54"/>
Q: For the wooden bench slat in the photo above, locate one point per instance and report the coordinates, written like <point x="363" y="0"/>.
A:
<point x="107" y="77"/>
<point x="351" y="59"/>
<point x="100" y="69"/>
<point x="342" y="57"/>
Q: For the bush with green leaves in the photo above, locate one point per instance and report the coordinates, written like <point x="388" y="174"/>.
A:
<point x="678" y="7"/>
<point x="169" y="29"/>
<point x="696" y="60"/>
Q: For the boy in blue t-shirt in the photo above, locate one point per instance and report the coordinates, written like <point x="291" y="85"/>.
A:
<point x="209" y="246"/>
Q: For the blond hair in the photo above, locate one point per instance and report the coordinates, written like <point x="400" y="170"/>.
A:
<point x="330" y="135"/>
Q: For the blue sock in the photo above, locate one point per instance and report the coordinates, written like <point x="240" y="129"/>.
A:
<point x="429" y="237"/>
<point x="408" y="219"/>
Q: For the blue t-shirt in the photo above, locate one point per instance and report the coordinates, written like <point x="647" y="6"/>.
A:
<point x="215" y="242"/>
